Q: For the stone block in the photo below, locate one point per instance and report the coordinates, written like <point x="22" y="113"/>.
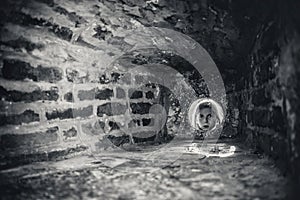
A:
<point x="69" y="97"/>
<point x="111" y="109"/>
<point x="26" y="117"/>
<point x="120" y="93"/>
<point x="70" y="113"/>
<point x="135" y="94"/>
<point x="70" y="133"/>
<point x="140" y="108"/>
<point x="36" y="95"/>
<point x="29" y="140"/>
<point x="20" y="70"/>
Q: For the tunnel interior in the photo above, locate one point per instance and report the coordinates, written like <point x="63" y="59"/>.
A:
<point x="81" y="78"/>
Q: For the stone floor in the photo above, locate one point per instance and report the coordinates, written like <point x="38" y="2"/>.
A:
<point x="180" y="171"/>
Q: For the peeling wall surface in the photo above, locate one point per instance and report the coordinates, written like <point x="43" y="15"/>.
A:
<point x="67" y="83"/>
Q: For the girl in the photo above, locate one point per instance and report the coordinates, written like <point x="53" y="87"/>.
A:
<point x="206" y="115"/>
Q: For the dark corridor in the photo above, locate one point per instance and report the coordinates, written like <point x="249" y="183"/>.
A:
<point x="104" y="99"/>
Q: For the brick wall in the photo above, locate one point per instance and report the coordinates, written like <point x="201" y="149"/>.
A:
<point x="60" y="88"/>
<point x="56" y="110"/>
<point x="64" y="88"/>
<point x="266" y="88"/>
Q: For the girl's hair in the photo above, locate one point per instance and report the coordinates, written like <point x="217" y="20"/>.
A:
<point x="205" y="103"/>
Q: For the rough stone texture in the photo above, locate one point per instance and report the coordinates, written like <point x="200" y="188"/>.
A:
<point x="255" y="44"/>
<point x="72" y="132"/>
<point x="135" y="94"/>
<point x="120" y="175"/>
<point x="264" y="85"/>
<point x="140" y="108"/>
<point x="114" y="125"/>
<point x="111" y="109"/>
<point x="96" y="128"/>
<point x="105" y="94"/>
<point x="25" y="117"/>
<point x="149" y="95"/>
<point x="29" y="139"/>
<point x="22" y="43"/>
<point x="120" y="93"/>
<point x="7" y="162"/>
<point x="70" y="113"/>
<point x="69" y="97"/>
<point x="36" y="95"/>
<point x="76" y="76"/>
<point x="19" y="70"/>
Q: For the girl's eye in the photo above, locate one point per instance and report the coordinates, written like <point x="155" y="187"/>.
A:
<point x="209" y="116"/>
<point x="201" y="116"/>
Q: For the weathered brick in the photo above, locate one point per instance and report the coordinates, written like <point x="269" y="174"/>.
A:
<point x="62" y="32"/>
<point x="114" y="125"/>
<point x="20" y="70"/>
<point x="83" y="112"/>
<point x="264" y="141"/>
<point x="120" y="43"/>
<point x="140" y="108"/>
<point x="29" y="139"/>
<point x="105" y="94"/>
<point x="69" y="97"/>
<point x="265" y="72"/>
<point x="280" y="149"/>
<point x="121" y="78"/>
<point x="65" y="114"/>
<point x="75" y="76"/>
<point x="272" y="119"/>
<point x="22" y="159"/>
<point x="100" y="124"/>
<point x="86" y="94"/>
<point x="24" y="19"/>
<point x="259" y="117"/>
<point x="70" y="113"/>
<point x="72" y="74"/>
<point x="26" y="117"/>
<point x="102" y="33"/>
<point x="61" y="154"/>
<point x="120" y="93"/>
<point x="21" y="43"/>
<point x="115" y="77"/>
<point x="72" y="16"/>
<point x="104" y="79"/>
<point x="94" y="128"/>
<point x="278" y="122"/>
<point x="149" y="95"/>
<point x="111" y="109"/>
<point x="125" y="79"/>
<point x="140" y="79"/>
<point x="261" y="98"/>
<point x="135" y="94"/>
<point x="36" y="95"/>
<point x="72" y="132"/>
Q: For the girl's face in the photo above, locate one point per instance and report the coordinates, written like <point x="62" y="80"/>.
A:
<point x="207" y="119"/>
